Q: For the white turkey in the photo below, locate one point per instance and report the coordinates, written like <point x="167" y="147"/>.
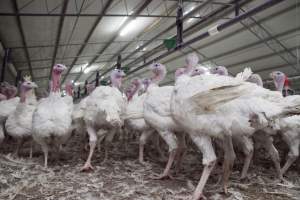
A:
<point x="255" y="78"/>
<point x="157" y="113"/>
<point x="8" y="90"/>
<point x="2" y="97"/>
<point x="134" y="115"/>
<point x="19" y="123"/>
<point x="219" y="107"/>
<point x="7" y="106"/>
<point x="52" y="117"/>
<point x="103" y="114"/>
<point x="282" y="83"/>
<point x="288" y="124"/>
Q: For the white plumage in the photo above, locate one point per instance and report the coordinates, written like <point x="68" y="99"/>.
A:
<point x="157" y="111"/>
<point x="134" y="117"/>
<point x="104" y="109"/>
<point x="219" y="106"/>
<point x="6" y="108"/>
<point x="52" y="117"/>
<point x="19" y="123"/>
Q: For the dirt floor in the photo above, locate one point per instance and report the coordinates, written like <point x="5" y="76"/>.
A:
<point x="123" y="178"/>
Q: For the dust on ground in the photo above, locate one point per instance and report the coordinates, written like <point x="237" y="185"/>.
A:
<point x="123" y="178"/>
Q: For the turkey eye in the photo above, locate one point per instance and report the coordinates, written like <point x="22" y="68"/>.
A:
<point x="278" y="73"/>
<point x="119" y="71"/>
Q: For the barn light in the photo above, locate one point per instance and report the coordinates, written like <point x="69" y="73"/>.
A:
<point x="128" y="27"/>
<point x="85" y="69"/>
<point x="189" y="10"/>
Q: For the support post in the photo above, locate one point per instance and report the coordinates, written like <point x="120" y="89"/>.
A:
<point x="237" y="8"/>
<point x="97" y="79"/>
<point x="18" y="77"/>
<point x="78" y="92"/>
<point x="179" y="25"/>
<point x="119" y="61"/>
<point x="4" y="63"/>
<point x="85" y="87"/>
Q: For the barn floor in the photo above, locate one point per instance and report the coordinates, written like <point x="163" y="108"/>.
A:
<point x="122" y="177"/>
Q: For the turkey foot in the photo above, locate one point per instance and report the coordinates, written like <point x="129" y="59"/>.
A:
<point x="87" y="167"/>
<point x="163" y="176"/>
<point x="202" y="197"/>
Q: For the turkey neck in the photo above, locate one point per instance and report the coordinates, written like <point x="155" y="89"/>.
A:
<point x="24" y="94"/>
<point x="188" y="69"/>
<point x="158" y="77"/>
<point x="279" y="83"/>
<point x="69" y="91"/>
<point x="116" y="82"/>
<point x="136" y="89"/>
<point x="55" y="81"/>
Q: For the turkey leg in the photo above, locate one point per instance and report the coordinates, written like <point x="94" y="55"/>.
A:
<point x="209" y="159"/>
<point x="229" y="157"/>
<point x="92" y="140"/>
<point x="143" y="139"/>
<point x="171" y="140"/>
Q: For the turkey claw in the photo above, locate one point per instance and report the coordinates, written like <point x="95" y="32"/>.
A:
<point x="87" y="168"/>
<point x="202" y="197"/>
<point x="163" y="176"/>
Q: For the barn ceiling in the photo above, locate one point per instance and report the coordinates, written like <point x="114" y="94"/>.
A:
<point x="88" y="35"/>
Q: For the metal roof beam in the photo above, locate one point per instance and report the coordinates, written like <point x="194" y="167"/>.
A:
<point x="106" y="7"/>
<point x="88" y="15"/>
<point x="101" y="51"/>
<point x="220" y="28"/>
<point x="272" y="68"/>
<point x="24" y="43"/>
<point x="262" y="57"/>
<point x="288" y="9"/>
<point x="200" y="1"/>
<point x="198" y="8"/>
<point x="239" y="49"/>
<point x="220" y="12"/>
<point x="77" y="44"/>
<point x="260" y="32"/>
<point x="58" y="34"/>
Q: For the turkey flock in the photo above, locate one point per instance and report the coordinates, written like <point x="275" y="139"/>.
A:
<point x="206" y="106"/>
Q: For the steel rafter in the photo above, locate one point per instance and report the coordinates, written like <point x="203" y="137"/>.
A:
<point x="199" y="1"/>
<point x="211" y="17"/>
<point x="101" y="51"/>
<point x="198" y="8"/>
<point x="125" y="47"/>
<point x="24" y="43"/>
<point x="220" y="27"/>
<point x="239" y="49"/>
<point x="58" y="34"/>
<point x="288" y="9"/>
<point x="77" y="44"/>
<point x="104" y="10"/>
<point x="263" y="57"/>
<point x="274" y="44"/>
<point x="89" y="15"/>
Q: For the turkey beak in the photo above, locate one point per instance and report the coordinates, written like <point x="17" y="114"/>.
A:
<point x="34" y="85"/>
<point x="123" y="74"/>
<point x="64" y="68"/>
<point x="272" y="75"/>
